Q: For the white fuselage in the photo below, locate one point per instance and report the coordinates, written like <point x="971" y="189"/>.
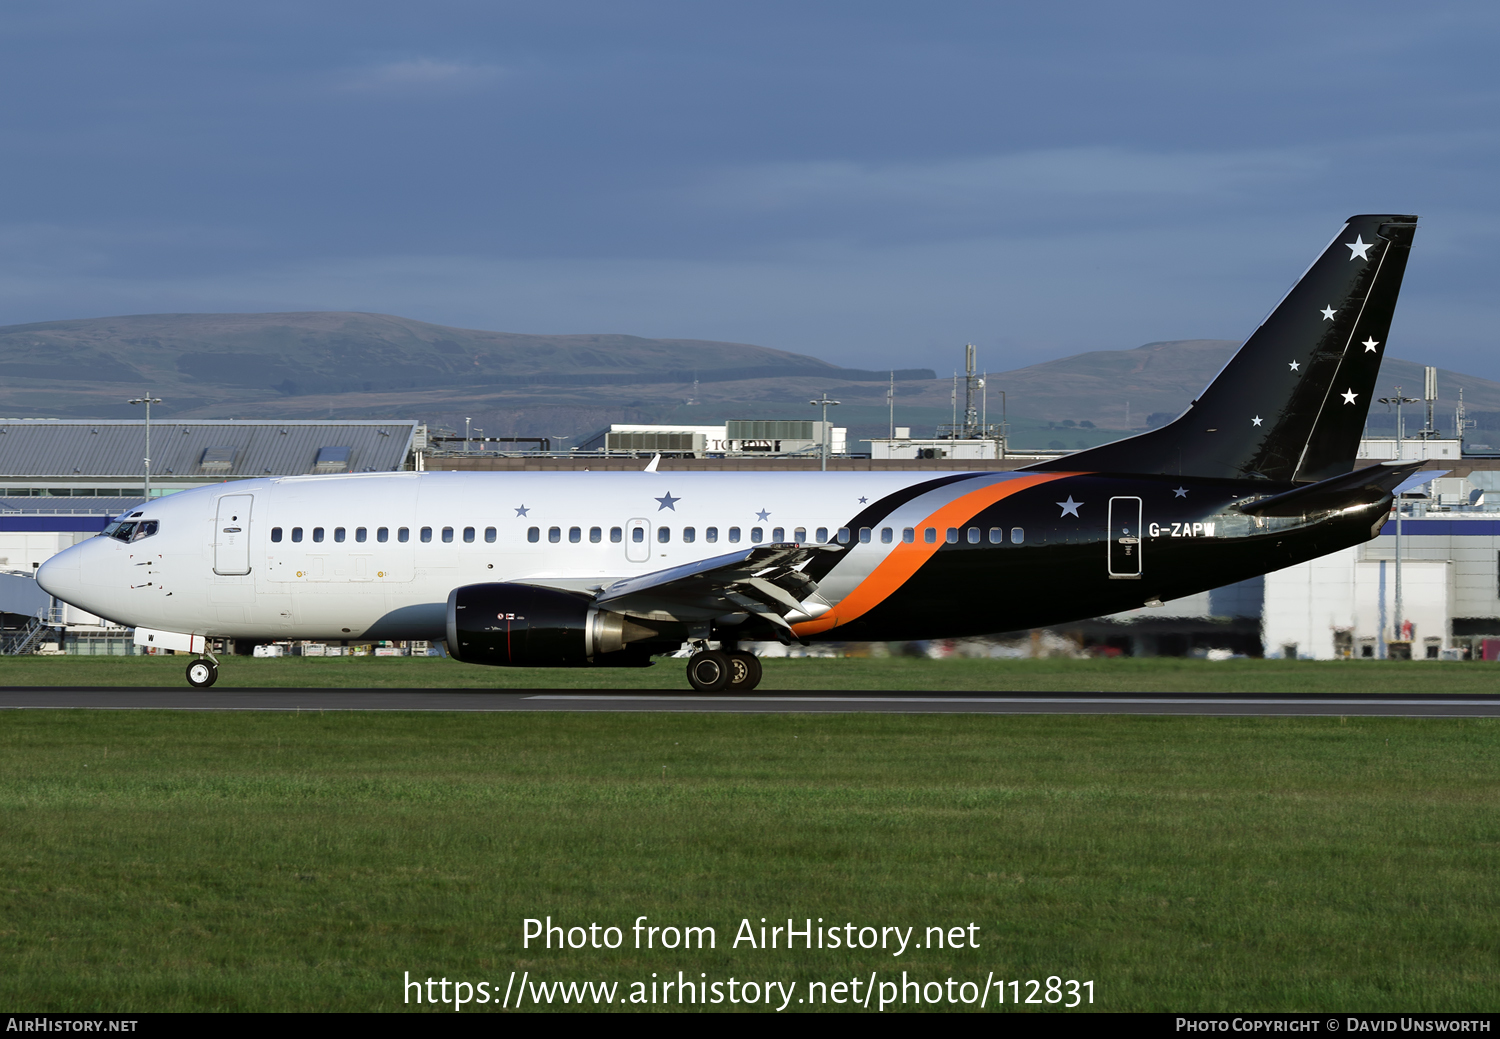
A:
<point x="374" y="556"/>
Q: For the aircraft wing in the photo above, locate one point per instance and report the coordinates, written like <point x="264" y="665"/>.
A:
<point x="764" y="580"/>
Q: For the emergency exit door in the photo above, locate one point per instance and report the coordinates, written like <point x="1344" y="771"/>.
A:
<point x="232" y="534"/>
<point x="1125" y="538"/>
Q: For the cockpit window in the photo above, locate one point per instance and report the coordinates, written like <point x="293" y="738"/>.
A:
<point x="131" y="530"/>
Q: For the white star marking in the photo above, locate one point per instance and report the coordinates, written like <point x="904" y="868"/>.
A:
<point x="1349" y="396"/>
<point x="1070" y="507"/>
<point x="1295" y="365"/>
<point x="1328" y="313"/>
<point x="1256" y="421"/>
<point x="1369" y="344"/>
<point x="1359" y="248"/>
<point x="1179" y="492"/>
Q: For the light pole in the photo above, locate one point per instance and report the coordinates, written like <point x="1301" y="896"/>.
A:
<point x="823" y="444"/>
<point x="148" y="401"/>
<point x="1398" y="400"/>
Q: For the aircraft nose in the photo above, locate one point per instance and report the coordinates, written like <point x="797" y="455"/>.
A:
<point x="60" y="575"/>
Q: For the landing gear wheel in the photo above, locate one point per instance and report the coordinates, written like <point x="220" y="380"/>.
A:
<point x="744" y="671"/>
<point x="202" y="673"/>
<point x="709" y="671"/>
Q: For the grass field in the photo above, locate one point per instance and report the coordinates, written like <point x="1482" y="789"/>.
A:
<point x="1158" y="674"/>
<point x="262" y="861"/>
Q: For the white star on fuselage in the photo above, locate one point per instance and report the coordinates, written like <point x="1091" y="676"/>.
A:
<point x="1295" y="365"/>
<point x="1369" y="344"/>
<point x="1070" y="507"/>
<point x="1349" y="396"/>
<point x="1359" y="248"/>
<point x="1328" y="313"/>
<point x="1255" y="421"/>
<point x="1179" y="492"/>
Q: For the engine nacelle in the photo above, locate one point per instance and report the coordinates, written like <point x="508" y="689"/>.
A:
<point x="521" y="625"/>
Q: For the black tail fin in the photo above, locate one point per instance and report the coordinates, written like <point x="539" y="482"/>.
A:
<point x="1290" y="405"/>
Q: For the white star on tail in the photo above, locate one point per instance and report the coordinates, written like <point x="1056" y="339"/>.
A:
<point x="1070" y="507"/>
<point x="1328" y="313"/>
<point x="1294" y="365"/>
<point x="1180" y="492"/>
<point x="1369" y="344"/>
<point x="1359" y="248"/>
<point x="1349" y="396"/>
<point x="1256" y="421"/>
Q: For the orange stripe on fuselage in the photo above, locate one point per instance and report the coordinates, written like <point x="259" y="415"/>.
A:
<point x="906" y="559"/>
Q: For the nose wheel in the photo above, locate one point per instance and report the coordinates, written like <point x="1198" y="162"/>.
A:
<point x="202" y="673"/>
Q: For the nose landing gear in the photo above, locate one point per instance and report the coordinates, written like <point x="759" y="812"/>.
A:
<point x="717" y="671"/>
<point x="202" y="673"/>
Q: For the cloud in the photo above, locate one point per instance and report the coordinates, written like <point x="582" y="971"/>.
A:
<point x="414" y="75"/>
<point x="1019" y="184"/>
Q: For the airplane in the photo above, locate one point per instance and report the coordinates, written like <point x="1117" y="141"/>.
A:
<point x="608" y="569"/>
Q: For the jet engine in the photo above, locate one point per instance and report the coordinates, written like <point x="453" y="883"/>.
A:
<point x="521" y="625"/>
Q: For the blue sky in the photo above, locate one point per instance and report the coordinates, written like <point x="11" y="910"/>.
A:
<point x="872" y="183"/>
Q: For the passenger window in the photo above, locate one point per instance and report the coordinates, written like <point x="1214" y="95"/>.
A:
<point x="489" y="535"/>
<point x="615" y="534"/>
<point x="383" y="534"/>
<point x="533" y="534"/>
<point x="843" y="535"/>
<point x="338" y="534"/>
<point x="711" y="535"/>
<point x="734" y="535"/>
<point x="638" y="534"/>
<point x="361" y="534"/>
<point x="595" y="535"/>
<point x="689" y="535"/>
<point x="663" y="534"/>
<point x="864" y="535"/>
<point x="275" y="533"/>
<point x="554" y="535"/>
<point x="929" y="535"/>
<point x="885" y="535"/>
<point x="1017" y="535"/>
<point x="447" y="535"/>
<point x="997" y="536"/>
<point x="973" y="535"/>
<point x="403" y="534"/>
<point x="778" y="534"/>
<point x="756" y="534"/>
<point x="952" y="537"/>
<point x="908" y="535"/>
<point x="468" y="535"/>
<point x="822" y="536"/>
<point x="575" y="535"/>
<point x="800" y="535"/>
<point x="426" y="534"/>
<point x="317" y="533"/>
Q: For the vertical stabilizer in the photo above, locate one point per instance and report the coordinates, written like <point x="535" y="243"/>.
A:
<point x="1290" y="405"/>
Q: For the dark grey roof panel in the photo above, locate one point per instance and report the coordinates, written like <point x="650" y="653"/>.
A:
<point x="34" y="448"/>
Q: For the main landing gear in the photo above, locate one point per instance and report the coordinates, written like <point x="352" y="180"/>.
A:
<point x="718" y="671"/>
<point x="202" y="673"/>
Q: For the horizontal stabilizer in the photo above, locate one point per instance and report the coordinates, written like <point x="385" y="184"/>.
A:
<point x="1361" y="487"/>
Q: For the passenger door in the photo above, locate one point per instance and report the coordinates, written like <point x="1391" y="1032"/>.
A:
<point x="1125" y="538"/>
<point x="232" y="534"/>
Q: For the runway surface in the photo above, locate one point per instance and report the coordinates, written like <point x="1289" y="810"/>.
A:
<point x="771" y="702"/>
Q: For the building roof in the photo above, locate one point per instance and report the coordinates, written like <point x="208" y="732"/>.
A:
<point x="74" y="450"/>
